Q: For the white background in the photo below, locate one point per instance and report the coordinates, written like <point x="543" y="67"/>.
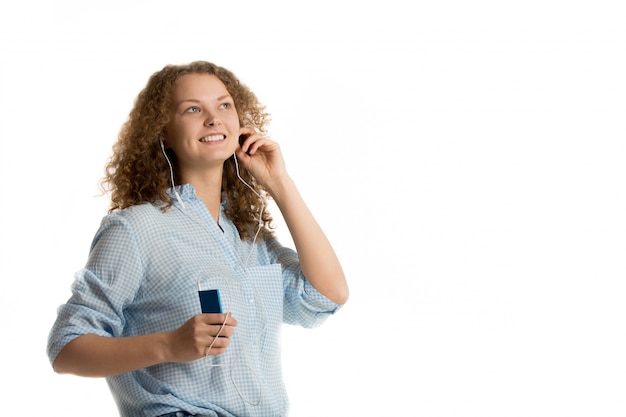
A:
<point x="467" y="159"/>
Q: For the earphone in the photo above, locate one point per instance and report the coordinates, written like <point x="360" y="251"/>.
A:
<point x="258" y="230"/>
<point x="244" y="264"/>
<point x="180" y="200"/>
<point x="235" y="361"/>
<point x="219" y="332"/>
<point x="260" y="333"/>
<point x="244" y="348"/>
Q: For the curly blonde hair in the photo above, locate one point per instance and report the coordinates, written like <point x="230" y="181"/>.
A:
<point x="138" y="172"/>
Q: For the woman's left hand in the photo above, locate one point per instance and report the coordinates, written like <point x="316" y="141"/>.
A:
<point x="318" y="261"/>
<point x="262" y="157"/>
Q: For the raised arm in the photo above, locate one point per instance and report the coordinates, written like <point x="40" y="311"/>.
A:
<point x="319" y="263"/>
<point x="318" y="260"/>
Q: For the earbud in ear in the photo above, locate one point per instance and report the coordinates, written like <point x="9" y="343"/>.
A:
<point x="242" y="139"/>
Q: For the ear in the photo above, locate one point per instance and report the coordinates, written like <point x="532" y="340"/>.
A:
<point x="163" y="136"/>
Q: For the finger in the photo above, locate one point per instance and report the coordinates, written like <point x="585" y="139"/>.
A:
<point x="263" y="144"/>
<point x="219" y="318"/>
<point x="221" y="331"/>
<point x="217" y="346"/>
<point x="250" y="140"/>
<point x="247" y="136"/>
<point x="230" y="320"/>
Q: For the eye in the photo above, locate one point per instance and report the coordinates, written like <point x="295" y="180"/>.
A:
<point x="193" y="109"/>
<point x="226" y="105"/>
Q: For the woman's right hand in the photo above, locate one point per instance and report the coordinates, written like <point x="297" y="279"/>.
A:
<point x="192" y="340"/>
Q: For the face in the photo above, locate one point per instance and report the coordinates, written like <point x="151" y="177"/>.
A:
<point x="203" y="130"/>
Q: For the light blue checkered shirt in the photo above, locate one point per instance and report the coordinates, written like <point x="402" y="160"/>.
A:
<point x="143" y="275"/>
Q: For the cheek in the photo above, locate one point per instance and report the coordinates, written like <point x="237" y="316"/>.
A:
<point x="177" y="130"/>
<point x="170" y="131"/>
<point x="234" y="125"/>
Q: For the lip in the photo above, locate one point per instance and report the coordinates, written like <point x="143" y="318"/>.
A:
<point x="213" y="138"/>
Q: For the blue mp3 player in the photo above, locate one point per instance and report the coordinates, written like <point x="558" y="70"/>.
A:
<point x="210" y="301"/>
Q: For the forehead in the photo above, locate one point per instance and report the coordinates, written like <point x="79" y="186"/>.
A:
<point x="198" y="86"/>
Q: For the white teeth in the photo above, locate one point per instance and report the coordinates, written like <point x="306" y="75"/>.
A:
<point x="212" y="138"/>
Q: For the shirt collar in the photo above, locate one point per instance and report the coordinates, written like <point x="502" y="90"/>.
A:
<point x="187" y="193"/>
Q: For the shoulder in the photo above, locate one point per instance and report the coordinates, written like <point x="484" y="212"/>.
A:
<point x="137" y="214"/>
<point x="278" y="253"/>
<point x="139" y="218"/>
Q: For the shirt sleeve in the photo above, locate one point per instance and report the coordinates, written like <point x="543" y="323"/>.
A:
<point x="303" y="304"/>
<point x="102" y="289"/>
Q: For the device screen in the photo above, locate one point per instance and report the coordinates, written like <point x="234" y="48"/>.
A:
<point x="210" y="301"/>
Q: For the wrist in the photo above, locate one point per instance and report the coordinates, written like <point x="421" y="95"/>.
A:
<point x="162" y="347"/>
<point x="280" y="187"/>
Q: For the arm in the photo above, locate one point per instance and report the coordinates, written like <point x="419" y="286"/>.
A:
<point x="318" y="260"/>
<point x="99" y="356"/>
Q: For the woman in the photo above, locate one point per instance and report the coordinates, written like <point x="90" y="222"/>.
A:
<point x="190" y="176"/>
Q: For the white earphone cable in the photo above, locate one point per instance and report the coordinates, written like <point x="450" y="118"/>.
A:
<point x="180" y="200"/>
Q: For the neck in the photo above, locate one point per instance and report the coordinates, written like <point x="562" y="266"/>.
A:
<point x="208" y="187"/>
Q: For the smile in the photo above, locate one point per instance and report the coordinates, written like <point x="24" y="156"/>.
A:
<point x="213" y="138"/>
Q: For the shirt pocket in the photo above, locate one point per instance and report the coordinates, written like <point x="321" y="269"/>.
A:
<point x="266" y="286"/>
<point x="226" y="283"/>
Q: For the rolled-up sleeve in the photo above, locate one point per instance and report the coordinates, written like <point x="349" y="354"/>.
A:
<point x="101" y="290"/>
<point x="303" y="304"/>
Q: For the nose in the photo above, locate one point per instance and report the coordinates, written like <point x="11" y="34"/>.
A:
<point x="212" y="121"/>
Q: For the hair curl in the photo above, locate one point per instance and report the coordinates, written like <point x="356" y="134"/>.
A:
<point x="137" y="171"/>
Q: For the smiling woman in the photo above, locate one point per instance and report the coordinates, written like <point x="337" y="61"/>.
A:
<point x="204" y="126"/>
<point x="188" y="213"/>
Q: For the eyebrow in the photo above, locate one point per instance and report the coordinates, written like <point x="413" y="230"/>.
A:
<point x="195" y="100"/>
